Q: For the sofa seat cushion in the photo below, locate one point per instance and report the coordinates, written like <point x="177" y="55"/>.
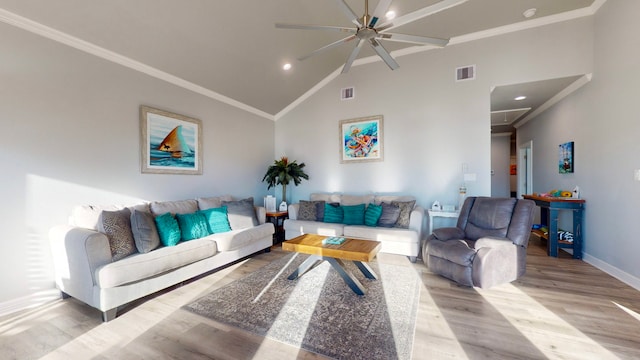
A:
<point x="142" y="266"/>
<point x="456" y="251"/>
<point x="381" y="234"/>
<point x="235" y="239"/>
<point x="313" y="227"/>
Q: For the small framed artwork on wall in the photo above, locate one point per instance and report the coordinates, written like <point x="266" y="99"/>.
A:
<point x="565" y="158"/>
<point x="170" y="143"/>
<point x="361" y="139"/>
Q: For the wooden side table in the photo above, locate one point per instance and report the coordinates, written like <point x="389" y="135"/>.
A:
<point x="440" y="213"/>
<point x="277" y="219"/>
<point x="549" y="208"/>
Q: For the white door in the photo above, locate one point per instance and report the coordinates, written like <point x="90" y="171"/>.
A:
<point x="525" y="169"/>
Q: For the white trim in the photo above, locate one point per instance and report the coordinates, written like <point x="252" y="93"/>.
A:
<point x="30" y="301"/>
<point x="64" y="38"/>
<point x="625" y="277"/>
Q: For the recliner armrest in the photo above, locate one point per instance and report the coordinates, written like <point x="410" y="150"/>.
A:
<point x="447" y="233"/>
<point x="491" y="242"/>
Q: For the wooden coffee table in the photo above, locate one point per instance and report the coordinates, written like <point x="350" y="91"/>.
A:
<point x="358" y="251"/>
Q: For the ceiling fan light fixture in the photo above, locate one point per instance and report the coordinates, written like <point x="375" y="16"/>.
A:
<point x="390" y="14"/>
<point x="286" y="67"/>
<point x="530" y="13"/>
<point x="518" y="98"/>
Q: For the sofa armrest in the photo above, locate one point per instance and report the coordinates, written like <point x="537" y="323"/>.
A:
<point x="261" y="214"/>
<point x="416" y="220"/>
<point x="293" y="211"/>
<point x="77" y="253"/>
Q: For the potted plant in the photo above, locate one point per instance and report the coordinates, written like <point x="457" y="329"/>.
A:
<point x="282" y="172"/>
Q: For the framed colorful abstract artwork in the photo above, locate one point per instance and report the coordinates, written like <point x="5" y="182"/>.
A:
<point x="565" y="158"/>
<point x="361" y="139"/>
<point x="170" y="143"/>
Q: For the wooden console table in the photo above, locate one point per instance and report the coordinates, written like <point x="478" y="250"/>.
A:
<point x="549" y="208"/>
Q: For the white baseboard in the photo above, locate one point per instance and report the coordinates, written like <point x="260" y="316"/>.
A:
<point x="626" y="278"/>
<point x="29" y="301"/>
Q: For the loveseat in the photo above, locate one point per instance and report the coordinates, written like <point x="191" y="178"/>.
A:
<point x="395" y="221"/>
<point x="108" y="256"/>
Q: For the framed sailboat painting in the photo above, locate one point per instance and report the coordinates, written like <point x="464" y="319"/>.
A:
<point x="171" y="143"/>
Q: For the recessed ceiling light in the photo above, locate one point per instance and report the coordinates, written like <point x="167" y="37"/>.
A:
<point x="286" y="66"/>
<point x="521" y="97"/>
<point x="529" y="12"/>
<point x="390" y="14"/>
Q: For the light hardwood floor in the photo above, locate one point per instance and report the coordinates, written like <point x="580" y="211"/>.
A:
<point x="561" y="309"/>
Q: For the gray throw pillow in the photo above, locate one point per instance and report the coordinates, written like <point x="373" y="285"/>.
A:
<point x="241" y="213"/>
<point x="319" y="209"/>
<point x="307" y="210"/>
<point x="117" y="226"/>
<point x="389" y="216"/>
<point x="145" y="233"/>
<point x="405" y="212"/>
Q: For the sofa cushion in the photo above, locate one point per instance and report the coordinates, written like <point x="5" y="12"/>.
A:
<point x="405" y="212"/>
<point x="143" y="266"/>
<point x="297" y="227"/>
<point x="217" y="219"/>
<point x="145" y="233"/>
<point x="389" y="216"/>
<point x="320" y="210"/>
<point x="236" y="239"/>
<point x="355" y="199"/>
<point x="330" y="198"/>
<point x="333" y="213"/>
<point x="241" y="213"/>
<point x="192" y="226"/>
<point x="379" y="199"/>
<point x="372" y="214"/>
<point x="88" y="216"/>
<point x="168" y="229"/>
<point x="117" y="226"/>
<point x="353" y="214"/>
<point x="307" y="210"/>
<point x="212" y="202"/>
<point x="173" y="207"/>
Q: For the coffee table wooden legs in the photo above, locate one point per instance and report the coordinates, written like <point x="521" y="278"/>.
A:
<point x="338" y="265"/>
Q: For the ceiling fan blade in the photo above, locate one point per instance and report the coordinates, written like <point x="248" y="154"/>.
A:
<point x="316" y="27"/>
<point x="384" y="54"/>
<point x="327" y="47"/>
<point x="422" y="40"/>
<point x="352" y="57"/>
<point x="419" y="14"/>
<point x="378" y="13"/>
<point x="350" y="14"/>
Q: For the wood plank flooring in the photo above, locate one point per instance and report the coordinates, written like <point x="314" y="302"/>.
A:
<point x="561" y="309"/>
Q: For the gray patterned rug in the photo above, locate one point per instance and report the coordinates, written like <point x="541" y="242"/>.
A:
<point x="318" y="312"/>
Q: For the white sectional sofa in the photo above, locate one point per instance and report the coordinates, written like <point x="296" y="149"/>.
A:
<point x="396" y="237"/>
<point x="104" y="275"/>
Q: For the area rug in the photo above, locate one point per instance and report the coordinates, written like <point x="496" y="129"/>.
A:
<point x="318" y="312"/>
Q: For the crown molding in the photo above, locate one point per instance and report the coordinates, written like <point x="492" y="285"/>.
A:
<point x="90" y="48"/>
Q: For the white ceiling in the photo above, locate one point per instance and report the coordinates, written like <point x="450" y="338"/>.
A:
<point x="231" y="50"/>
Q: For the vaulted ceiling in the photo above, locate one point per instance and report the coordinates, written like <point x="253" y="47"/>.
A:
<point x="231" y="50"/>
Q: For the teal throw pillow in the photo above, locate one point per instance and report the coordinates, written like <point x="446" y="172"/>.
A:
<point x="168" y="229"/>
<point x="333" y="213"/>
<point x="192" y="225"/>
<point x="217" y="219"/>
<point x="353" y="214"/>
<point x="372" y="214"/>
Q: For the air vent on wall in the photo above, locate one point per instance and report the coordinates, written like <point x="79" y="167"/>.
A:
<point x="466" y="73"/>
<point x="347" y="93"/>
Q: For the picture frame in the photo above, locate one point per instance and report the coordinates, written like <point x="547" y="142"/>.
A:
<point x="565" y="158"/>
<point x="170" y="143"/>
<point x="361" y="139"/>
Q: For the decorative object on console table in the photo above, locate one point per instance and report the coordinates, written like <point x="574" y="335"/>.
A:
<point x="443" y="214"/>
<point x="282" y="172"/>
<point x="549" y="208"/>
<point x="277" y="219"/>
<point x="170" y="143"/>
<point x="361" y="139"/>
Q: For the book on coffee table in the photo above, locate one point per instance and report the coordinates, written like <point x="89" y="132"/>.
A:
<point x="333" y="240"/>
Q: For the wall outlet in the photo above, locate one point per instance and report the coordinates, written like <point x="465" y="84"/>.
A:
<point x="470" y="177"/>
<point x="636" y="174"/>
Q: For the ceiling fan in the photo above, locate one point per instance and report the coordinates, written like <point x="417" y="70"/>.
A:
<point x="368" y="30"/>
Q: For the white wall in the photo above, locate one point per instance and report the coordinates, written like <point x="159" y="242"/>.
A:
<point x="500" y="162"/>
<point x="70" y="135"/>
<point x="432" y="125"/>
<point x="602" y="119"/>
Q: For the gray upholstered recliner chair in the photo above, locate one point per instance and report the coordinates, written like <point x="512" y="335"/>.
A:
<point x="487" y="247"/>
